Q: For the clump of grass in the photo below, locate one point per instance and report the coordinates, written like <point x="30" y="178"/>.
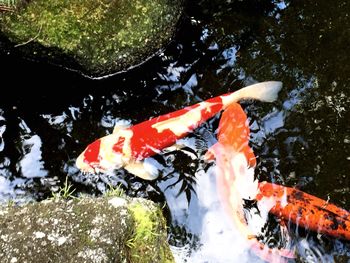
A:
<point x="11" y="203"/>
<point x="114" y="191"/>
<point x="65" y="192"/>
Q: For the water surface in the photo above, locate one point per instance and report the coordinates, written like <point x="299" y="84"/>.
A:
<point x="49" y="114"/>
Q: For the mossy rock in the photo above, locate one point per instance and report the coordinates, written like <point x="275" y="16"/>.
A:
<point x="96" y="36"/>
<point x="84" y="230"/>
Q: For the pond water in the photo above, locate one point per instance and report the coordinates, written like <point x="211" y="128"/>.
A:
<point x="49" y="114"/>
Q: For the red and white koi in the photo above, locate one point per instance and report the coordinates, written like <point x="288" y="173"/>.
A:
<point x="130" y="147"/>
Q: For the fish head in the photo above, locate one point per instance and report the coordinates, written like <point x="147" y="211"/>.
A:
<point x="234" y="132"/>
<point x="102" y="155"/>
<point x="88" y="160"/>
<point x="235" y="161"/>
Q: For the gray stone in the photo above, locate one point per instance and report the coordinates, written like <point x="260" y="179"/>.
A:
<point x="81" y="230"/>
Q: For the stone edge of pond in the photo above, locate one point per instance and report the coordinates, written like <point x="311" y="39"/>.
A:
<point x="110" y="40"/>
<point x="104" y="229"/>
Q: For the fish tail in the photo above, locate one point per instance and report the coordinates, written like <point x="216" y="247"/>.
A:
<point x="275" y="255"/>
<point x="264" y="91"/>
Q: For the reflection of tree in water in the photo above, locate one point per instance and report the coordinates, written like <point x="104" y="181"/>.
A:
<point x="304" y="44"/>
<point x="298" y="39"/>
<point x="185" y="165"/>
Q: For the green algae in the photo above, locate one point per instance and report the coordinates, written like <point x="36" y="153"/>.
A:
<point x="101" y="35"/>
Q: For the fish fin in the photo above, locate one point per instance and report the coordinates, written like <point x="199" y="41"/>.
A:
<point x="209" y="155"/>
<point x="263" y="91"/>
<point x="120" y="126"/>
<point x="174" y="147"/>
<point x="143" y="169"/>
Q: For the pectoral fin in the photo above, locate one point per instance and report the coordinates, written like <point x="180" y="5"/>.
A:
<point x="190" y="147"/>
<point x="121" y="126"/>
<point x="209" y="155"/>
<point x="145" y="169"/>
<point x="174" y="147"/>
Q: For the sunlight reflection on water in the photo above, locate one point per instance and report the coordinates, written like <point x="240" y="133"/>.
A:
<point x="301" y="141"/>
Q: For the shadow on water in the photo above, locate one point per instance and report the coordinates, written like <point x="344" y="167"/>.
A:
<point x="49" y="114"/>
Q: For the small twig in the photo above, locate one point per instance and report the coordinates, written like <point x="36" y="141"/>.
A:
<point x="32" y="39"/>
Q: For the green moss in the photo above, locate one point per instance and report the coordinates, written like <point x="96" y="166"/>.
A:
<point x="97" y="33"/>
<point x="147" y="244"/>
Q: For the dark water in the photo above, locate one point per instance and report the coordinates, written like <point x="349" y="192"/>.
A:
<point x="49" y="114"/>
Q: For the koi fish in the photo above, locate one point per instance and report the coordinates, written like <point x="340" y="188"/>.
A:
<point x="235" y="163"/>
<point x="131" y="147"/>
<point x="306" y="210"/>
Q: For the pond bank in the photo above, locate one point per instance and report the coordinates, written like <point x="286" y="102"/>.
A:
<point x="108" y="229"/>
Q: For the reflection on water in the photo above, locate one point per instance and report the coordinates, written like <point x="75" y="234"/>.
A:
<point x="302" y="140"/>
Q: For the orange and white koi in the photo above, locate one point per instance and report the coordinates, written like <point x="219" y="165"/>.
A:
<point x="305" y="210"/>
<point x="235" y="162"/>
<point x="130" y="147"/>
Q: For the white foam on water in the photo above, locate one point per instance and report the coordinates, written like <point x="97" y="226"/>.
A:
<point x="31" y="164"/>
<point x="222" y="243"/>
<point x="219" y="241"/>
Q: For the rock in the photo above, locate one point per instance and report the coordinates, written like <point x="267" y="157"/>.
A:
<point x="84" y="230"/>
<point x="98" y="37"/>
